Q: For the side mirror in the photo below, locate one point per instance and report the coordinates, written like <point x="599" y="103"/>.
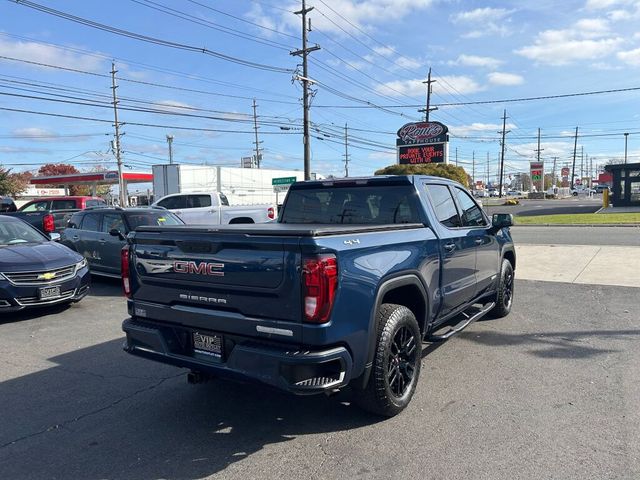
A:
<point x="114" y="232"/>
<point x="54" y="237"/>
<point x="501" y="220"/>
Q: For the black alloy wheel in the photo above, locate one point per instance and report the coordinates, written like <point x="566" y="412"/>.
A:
<point x="504" y="296"/>
<point x="396" y="362"/>
<point x="401" y="360"/>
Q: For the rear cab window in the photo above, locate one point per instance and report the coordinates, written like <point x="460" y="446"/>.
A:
<point x="63" y="204"/>
<point x="173" y="203"/>
<point x="95" y="202"/>
<point x="38" y="206"/>
<point x="352" y="204"/>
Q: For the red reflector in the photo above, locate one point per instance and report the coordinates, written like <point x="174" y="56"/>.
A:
<point x="124" y="268"/>
<point x="271" y="213"/>
<point x="320" y="281"/>
<point x="48" y="224"/>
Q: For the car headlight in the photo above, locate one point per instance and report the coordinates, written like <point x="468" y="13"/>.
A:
<point x="81" y="264"/>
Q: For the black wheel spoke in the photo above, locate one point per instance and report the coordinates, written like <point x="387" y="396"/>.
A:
<point x="401" y="361"/>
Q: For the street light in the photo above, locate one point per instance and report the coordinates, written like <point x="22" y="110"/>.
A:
<point x="626" y="136"/>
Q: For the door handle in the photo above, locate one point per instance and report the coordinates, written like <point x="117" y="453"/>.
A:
<point x="102" y="240"/>
<point x="450" y="247"/>
<point x="479" y="241"/>
<point x="75" y="237"/>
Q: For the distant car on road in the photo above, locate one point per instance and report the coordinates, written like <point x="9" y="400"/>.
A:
<point x="602" y="188"/>
<point x="36" y="271"/>
<point x="99" y="233"/>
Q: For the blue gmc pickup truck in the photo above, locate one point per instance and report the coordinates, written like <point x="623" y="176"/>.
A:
<point x="341" y="291"/>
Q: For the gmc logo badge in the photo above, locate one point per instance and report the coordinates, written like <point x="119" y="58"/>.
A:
<point x="202" y="268"/>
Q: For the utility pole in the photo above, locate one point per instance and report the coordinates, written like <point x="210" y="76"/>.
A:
<point x="117" y="150"/>
<point x="573" y="168"/>
<point x="626" y="136"/>
<point x="456" y="156"/>
<point x="553" y="172"/>
<point x="538" y="151"/>
<point x="581" y="163"/>
<point x="473" y="170"/>
<point x="170" y="142"/>
<point x="488" y="178"/>
<point x="255" y="129"/>
<point x="346" y="150"/>
<point x="428" y="108"/>
<point x="305" y="85"/>
<point x="504" y="133"/>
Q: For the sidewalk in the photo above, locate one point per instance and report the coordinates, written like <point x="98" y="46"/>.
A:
<point x="586" y="264"/>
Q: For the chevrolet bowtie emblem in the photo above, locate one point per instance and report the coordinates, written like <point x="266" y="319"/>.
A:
<point x="46" y="276"/>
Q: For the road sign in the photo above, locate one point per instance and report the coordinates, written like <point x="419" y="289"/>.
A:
<point x="283" y="181"/>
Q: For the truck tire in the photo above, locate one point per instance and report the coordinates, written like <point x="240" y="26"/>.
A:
<point x="504" y="297"/>
<point x="396" y="363"/>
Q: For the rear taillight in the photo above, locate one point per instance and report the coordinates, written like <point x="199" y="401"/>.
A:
<point x="320" y="282"/>
<point x="271" y="213"/>
<point x="124" y="268"/>
<point x="48" y="224"/>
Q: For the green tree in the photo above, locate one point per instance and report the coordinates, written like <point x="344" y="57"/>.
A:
<point x="13" y="184"/>
<point x="449" y="171"/>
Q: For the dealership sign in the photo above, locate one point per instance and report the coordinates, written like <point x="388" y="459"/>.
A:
<point x="422" y="142"/>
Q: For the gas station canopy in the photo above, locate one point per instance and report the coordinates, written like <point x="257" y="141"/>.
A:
<point x="98" y="178"/>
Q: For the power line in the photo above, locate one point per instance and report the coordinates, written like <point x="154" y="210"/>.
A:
<point x="149" y="39"/>
<point x="508" y="100"/>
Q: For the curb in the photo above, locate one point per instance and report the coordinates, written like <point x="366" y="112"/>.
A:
<point x="625" y="225"/>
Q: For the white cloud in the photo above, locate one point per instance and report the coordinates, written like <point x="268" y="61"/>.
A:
<point x="173" y="106"/>
<point x="483" y="22"/>
<point x="603" y="4"/>
<point x="587" y="39"/>
<point x="37" y="52"/>
<point x="408" y="62"/>
<point x="443" y="86"/>
<point x="476" y="61"/>
<point x="478" y="127"/>
<point x="359" y="13"/>
<point x="506" y="79"/>
<point x="631" y="57"/>
<point x="384" y="51"/>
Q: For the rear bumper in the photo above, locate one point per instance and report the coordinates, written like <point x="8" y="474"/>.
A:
<point x="291" y="369"/>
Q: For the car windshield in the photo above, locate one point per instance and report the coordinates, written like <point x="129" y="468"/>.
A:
<point x="18" y="232"/>
<point x="152" y="218"/>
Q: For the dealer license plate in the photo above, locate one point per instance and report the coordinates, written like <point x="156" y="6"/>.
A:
<point x="209" y="345"/>
<point x="47" y="293"/>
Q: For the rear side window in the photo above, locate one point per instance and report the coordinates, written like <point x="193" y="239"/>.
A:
<point x="75" y="220"/>
<point x="444" y="205"/>
<point x="36" y="206"/>
<point x="470" y="212"/>
<point x="91" y="222"/>
<point x="111" y="221"/>
<point x="364" y="205"/>
<point x="63" y="204"/>
<point x="173" y="203"/>
<point x="198" y="201"/>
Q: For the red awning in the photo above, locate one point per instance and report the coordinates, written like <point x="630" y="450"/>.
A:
<point x="103" y="178"/>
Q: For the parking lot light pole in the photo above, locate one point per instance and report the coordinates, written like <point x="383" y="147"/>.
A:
<point x="626" y="136"/>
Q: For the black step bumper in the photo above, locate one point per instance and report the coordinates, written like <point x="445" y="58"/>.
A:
<point x="295" y="370"/>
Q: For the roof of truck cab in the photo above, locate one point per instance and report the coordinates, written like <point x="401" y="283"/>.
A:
<point x="372" y="180"/>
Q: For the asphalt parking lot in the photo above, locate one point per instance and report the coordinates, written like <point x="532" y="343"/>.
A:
<point x="551" y="391"/>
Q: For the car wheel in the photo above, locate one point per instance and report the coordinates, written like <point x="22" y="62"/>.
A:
<point x="504" y="297"/>
<point x="396" y="364"/>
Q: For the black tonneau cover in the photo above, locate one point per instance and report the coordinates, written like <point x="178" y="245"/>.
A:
<point x="280" y="229"/>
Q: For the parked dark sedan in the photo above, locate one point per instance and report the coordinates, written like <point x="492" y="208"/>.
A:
<point x="99" y="234"/>
<point x="36" y="271"/>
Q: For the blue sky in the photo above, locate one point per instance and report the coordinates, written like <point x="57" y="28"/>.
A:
<point x="375" y="51"/>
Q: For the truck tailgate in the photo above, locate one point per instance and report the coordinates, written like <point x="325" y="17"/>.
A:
<point x="227" y="272"/>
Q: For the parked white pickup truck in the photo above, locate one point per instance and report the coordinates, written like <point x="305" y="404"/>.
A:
<point x="214" y="209"/>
